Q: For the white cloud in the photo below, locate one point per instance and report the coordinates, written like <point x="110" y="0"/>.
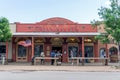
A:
<point x="107" y="3"/>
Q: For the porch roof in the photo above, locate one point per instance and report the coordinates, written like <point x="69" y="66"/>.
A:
<point x="56" y="34"/>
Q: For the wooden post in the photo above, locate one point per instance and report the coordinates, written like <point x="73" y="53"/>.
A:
<point x="32" y="48"/>
<point x="98" y="48"/>
<point x="83" y="50"/>
<point x="6" y="51"/>
<point x="96" y="52"/>
<point x="106" y="60"/>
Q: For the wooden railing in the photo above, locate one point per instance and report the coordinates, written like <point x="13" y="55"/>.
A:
<point x="46" y="58"/>
<point x="74" y="59"/>
<point x="77" y="59"/>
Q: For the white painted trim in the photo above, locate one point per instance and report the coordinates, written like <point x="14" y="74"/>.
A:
<point x="56" y="34"/>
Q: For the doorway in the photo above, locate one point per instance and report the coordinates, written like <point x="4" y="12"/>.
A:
<point x="22" y="54"/>
<point x="56" y="49"/>
<point x="88" y="53"/>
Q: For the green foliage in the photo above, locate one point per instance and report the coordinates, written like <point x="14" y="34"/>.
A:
<point x="103" y="38"/>
<point x="5" y="33"/>
<point x="111" y="20"/>
<point x="96" y="23"/>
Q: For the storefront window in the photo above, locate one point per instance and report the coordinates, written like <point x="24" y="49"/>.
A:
<point x="21" y="51"/>
<point x="38" y="49"/>
<point x="88" y="51"/>
<point x="2" y="50"/>
<point x="73" y="51"/>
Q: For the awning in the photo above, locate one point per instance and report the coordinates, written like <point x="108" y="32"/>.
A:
<point x="56" y="34"/>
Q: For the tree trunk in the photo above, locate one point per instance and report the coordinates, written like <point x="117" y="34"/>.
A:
<point x="106" y="60"/>
<point x="118" y="55"/>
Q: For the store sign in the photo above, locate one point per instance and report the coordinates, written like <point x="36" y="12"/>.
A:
<point x="54" y="28"/>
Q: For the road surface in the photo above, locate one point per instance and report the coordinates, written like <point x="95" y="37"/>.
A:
<point x="58" y="75"/>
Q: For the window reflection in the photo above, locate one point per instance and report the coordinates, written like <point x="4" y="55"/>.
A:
<point x="73" y="49"/>
<point x="38" y="49"/>
<point x="2" y="50"/>
<point x="21" y="51"/>
<point x="88" y="51"/>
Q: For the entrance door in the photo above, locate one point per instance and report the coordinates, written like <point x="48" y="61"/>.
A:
<point x="88" y="52"/>
<point x="56" y="49"/>
<point x="38" y="49"/>
<point x="22" y="54"/>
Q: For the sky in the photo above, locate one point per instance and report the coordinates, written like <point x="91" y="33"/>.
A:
<point x="32" y="11"/>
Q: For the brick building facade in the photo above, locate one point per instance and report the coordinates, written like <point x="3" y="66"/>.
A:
<point x="58" y="34"/>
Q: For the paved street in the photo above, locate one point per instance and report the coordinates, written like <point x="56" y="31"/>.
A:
<point x="44" y="72"/>
<point x="58" y="75"/>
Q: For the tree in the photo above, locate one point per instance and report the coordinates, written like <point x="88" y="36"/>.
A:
<point x="111" y="19"/>
<point x="5" y="33"/>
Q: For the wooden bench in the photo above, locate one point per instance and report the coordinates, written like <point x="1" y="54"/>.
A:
<point x="90" y="58"/>
<point x="45" y="58"/>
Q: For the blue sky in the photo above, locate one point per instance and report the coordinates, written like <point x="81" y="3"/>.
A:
<point x="31" y="11"/>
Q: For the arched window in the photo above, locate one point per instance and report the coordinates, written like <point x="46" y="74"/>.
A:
<point x="101" y="52"/>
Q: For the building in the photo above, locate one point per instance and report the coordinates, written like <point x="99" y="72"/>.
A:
<point x="59" y="34"/>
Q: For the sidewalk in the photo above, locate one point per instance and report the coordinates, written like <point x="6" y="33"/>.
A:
<point x="65" y="67"/>
<point x="58" y="68"/>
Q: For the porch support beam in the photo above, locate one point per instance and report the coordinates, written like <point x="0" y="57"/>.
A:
<point x="106" y="61"/>
<point x="32" y="48"/>
<point x="82" y="50"/>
